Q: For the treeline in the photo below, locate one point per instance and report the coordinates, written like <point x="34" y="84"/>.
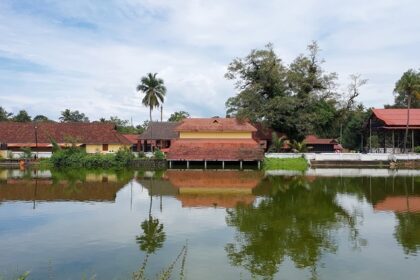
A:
<point x="301" y="98"/>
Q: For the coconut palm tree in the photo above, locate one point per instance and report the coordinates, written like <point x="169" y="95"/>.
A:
<point x="154" y="91"/>
<point x="408" y="86"/>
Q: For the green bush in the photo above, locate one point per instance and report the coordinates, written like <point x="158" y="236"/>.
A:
<point x="27" y="153"/>
<point x="158" y="154"/>
<point x="417" y="149"/>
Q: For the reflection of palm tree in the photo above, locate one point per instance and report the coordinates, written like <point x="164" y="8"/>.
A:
<point x="153" y="235"/>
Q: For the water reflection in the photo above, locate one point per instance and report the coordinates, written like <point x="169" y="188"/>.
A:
<point x="259" y="225"/>
<point x="293" y="221"/>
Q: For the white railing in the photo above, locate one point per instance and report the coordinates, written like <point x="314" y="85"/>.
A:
<point x="346" y="156"/>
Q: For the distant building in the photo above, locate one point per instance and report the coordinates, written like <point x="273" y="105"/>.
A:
<point x="94" y="137"/>
<point x="264" y="136"/>
<point x="134" y="140"/>
<point x="215" y="139"/>
<point x="389" y="126"/>
<point x="158" y="135"/>
<point x="322" y="145"/>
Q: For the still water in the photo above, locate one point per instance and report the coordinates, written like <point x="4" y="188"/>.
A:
<point x="325" y="224"/>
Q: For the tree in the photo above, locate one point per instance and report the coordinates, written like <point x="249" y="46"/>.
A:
<point x="178" y="116"/>
<point x="22" y="116"/>
<point x="154" y="91"/>
<point x="41" y="118"/>
<point x="277" y="143"/>
<point x="408" y="88"/>
<point x="73" y="116"/>
<point x="298" y="100"/>
<point x="4" y="115"/>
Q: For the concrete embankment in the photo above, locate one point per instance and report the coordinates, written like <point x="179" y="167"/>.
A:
<point x="349" y="160"/>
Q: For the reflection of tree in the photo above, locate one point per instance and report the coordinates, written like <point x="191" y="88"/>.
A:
<point x="407" y="232"/>
<point x="295" y="221"/>
<point x="153" y="235"/>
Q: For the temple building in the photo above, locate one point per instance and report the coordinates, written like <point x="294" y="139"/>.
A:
<point x="215" y="140"/>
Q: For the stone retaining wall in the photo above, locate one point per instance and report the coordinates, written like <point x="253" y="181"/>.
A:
<point x="149" y="164"/>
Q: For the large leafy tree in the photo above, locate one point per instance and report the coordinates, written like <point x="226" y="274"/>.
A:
<point x="4" y="115"/>
<point x="154" y="91"/>
<point x="73" y="116"/>
<point x="41" y="118"/>
<point x="407" y="89"/>
<point x="22" y="116"/>
<point x="178" y="116"/>
<point x="298" y="99"/>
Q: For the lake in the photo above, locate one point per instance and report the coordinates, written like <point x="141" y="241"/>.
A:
<point x="194" y="224"/>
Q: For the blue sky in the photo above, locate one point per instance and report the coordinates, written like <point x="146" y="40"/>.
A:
<point x="89" y="55"/>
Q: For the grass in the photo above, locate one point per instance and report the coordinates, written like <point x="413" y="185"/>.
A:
<point x="298" y="164"/>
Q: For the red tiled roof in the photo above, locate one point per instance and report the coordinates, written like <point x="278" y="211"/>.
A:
<point x="314" y="140"/>
<point x="397" y="117"/>
<point x="399" y="204"/>
<point x="86" y="133"/>
<point x="133" y="138"/>
<point x="215" y="149"/>
<point x="214" y="200"/>
<point x="215" y="124"/>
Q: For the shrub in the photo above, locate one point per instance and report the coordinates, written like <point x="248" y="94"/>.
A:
<point x="27" y="153"/>
<point x="417" y="149"/>
<point x="158" y="154"/>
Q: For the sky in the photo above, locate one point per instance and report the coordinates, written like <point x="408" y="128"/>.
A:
<point x="89" y="55"/>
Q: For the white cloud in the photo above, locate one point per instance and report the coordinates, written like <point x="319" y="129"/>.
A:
<point x="90" y="55"/>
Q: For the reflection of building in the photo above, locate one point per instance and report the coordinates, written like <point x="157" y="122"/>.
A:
<point x="95" y="188"/>
<point x="94" y="137"/>
<point x="214" y="188"/>
<point x="399" y="204"/>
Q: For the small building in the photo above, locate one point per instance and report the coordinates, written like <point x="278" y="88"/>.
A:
<point x="94" y="137"/>
<point x="215" y="139"/>
<point x="389" y="126"/>
<point x="158" y="135"/>
<point x="322" y="145"/>
<point x="134" y="140"/>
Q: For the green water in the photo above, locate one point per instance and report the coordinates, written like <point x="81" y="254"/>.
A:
<point x="221" y="224"/>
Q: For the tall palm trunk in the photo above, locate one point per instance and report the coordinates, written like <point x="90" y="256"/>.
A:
<point x="408" y="122"/>
<point x="150" y="113"/>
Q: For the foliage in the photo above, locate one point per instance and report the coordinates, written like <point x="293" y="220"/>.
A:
<point x="74" y="157"/>
<point x="158" y="154"/>
<point x="27" y="152"/>
<point x="123" y="126"/>
<point x="41" y="118"/>
<point x="353" y="128"/>
<point x="154" y="91"/>
<point x="298" y="100"/>
<point x="417" y="149"/>
<point x="22" y="116"/>
<point x="178" y="116"/>
<point x="4" y="115"/>
<point x="298" y="164"/>
<point x="73" y="116"/>
<point x="153" y="235"/>
<point x="277" y="143"/>
<point x="408" y="86"/>
<point x="299" y="147"/>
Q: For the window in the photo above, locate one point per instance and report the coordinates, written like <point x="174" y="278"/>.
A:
<point x="105" y="147"/>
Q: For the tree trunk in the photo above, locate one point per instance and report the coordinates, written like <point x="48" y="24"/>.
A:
<point x="408" y="122"/>
<point x="150" y="113"/>
<point x="161" y="113"/>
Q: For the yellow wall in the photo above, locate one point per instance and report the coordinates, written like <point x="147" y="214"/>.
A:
<point x="215" y="135"/>
<point x="3" y="154"/>
<point x="112" y="148"/>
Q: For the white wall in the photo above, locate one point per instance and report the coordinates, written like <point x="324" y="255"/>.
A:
<point x="346" y="156"/>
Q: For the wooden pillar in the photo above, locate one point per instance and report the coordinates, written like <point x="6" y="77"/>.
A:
<point x="259" y="164"/>
<point x="223" y="164"/>
<point x="393" y="141"/>
<point x="240" y="165"/>
<point x="188" y="164"/>
<point x="170" y="164"/>
<point x="412" y="140"/>
<point x="205" y="164"/>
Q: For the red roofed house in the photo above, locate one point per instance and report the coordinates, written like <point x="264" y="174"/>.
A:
<point x="215" y="139"/>
<point x="390" y="125"/>
<point x="322" y="145"/>
<point x="94" y="137"/>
